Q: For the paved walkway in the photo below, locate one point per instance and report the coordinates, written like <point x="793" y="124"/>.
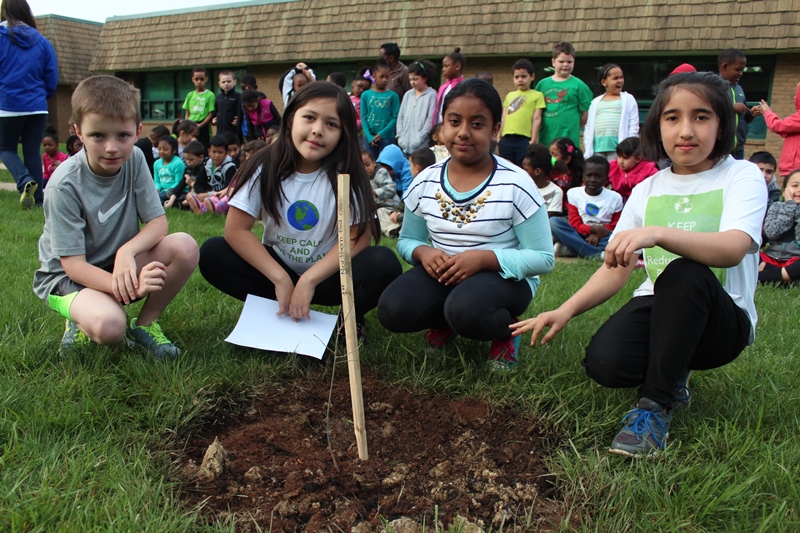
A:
<point x="7" y="186"/>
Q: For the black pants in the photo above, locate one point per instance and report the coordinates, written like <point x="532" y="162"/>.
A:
<point x="373" y="269"/>
<point x="514" y="147"/>
<point x="480" y="307"/>
<point x="689" y="323"/>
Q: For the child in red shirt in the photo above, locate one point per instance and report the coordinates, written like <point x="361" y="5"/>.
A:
<point x="628" y="170"/>
<point x="51" y="157"/>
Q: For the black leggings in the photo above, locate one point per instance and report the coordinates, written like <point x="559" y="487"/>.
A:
<point x="373" y="269"/>
<point x="690" y="322"/>
<point x="773" y="274"/>
<point x="480" y="307"/>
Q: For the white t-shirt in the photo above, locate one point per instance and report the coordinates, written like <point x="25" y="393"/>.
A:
<point x="553" y="197"/>
<point x="597" y="209"/>
<point x="732" y="195"/>
<point x="483" y="221"/>
<point x="307" y="229"/>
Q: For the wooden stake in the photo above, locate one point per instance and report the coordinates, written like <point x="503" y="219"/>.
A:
<point x="349" y="316"/>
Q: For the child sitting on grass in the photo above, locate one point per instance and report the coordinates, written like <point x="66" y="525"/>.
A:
<point x="539" y="166"/>
<point x="628" y="170"/>
<point x="766" y="163"/>
<point x="51" y="157"/>
<point x="697" y="225"/>
<point x="155" y="136"/>
<point x="74" y="145"/>
<point x="782" y="228"/>
<point x="593" y="213"/>
<point x="168" y="169"/>
<point x="475" y="231"/>
<point x="211" y="186"/>
<point x="384" y="190"/>
<point x="94" y="257"/>
<point x="194" y="155"/>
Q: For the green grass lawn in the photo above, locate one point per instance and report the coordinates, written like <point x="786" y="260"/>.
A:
<point x="90" y="442"/>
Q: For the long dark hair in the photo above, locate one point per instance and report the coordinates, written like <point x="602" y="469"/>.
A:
<point x="279" y="160"/>
<point x="16" y="12"/>
<point x="705" y="85"/>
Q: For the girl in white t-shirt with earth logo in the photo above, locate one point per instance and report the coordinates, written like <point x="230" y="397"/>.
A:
<point x="697" y="225"/>
<point x="291" y="186"/>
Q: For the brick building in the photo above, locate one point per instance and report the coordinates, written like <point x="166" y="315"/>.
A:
<point x="75" y="42"/>
<point x="647" y="38"/>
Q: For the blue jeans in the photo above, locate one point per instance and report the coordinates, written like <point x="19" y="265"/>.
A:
<point x="376" y="150"/>
<point x="564" y="233"/>
<point x="514" y="148"/>
<point x="29" y="129"/>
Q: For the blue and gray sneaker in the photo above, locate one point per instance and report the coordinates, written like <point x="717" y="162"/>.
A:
<point x="73" y="338"/>
<point x="151" y="339"/>
<point x="645" y="431"/>
<point x="683" y="394"/>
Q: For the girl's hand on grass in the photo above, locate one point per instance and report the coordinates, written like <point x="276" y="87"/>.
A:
<point x="300" y="304"/>
<point x="461" y="266"/>
<point x="626" y="243"/>
<point x="555" y="320"/>
<point x="151" y="279"/>
<point x="124" y="281"/>
<point x="431" y="259"/>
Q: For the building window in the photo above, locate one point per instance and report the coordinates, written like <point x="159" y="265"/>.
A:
<point x="163" y="92"/>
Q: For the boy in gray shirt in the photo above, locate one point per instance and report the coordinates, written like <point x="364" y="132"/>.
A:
<point x="94" y="257"/>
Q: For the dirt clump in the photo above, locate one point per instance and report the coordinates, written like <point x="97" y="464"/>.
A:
<point x="431" y="459"/>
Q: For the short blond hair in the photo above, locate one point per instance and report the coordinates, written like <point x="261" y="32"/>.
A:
<point x="107" y="96"/>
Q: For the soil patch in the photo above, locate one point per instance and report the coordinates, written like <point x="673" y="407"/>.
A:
<point x="430" y="459"/>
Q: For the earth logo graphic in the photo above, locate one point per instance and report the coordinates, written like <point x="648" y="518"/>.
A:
<point x="303" y="215"/>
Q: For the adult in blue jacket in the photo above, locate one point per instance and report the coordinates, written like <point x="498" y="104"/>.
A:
<point x="28" y="77"/>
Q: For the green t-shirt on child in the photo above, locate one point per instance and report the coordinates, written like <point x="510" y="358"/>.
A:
<point x="199" y="105"/>
<point x="521" y="107"/>
<point x="564" y="101"/>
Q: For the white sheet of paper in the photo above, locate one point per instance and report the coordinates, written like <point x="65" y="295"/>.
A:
<point x="260" y="327"/>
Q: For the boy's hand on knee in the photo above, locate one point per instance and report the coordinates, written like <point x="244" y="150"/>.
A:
<point x="124" y="281"/>
<point x="592" y="239"/>
<point x="151" y="279"/>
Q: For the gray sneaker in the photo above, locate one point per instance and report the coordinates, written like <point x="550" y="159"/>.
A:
<point x="645" y="431"/>
<point x="73" y="338"/>
<point x="151" y="339"/>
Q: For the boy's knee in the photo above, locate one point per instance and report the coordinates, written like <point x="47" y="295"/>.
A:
<point x="105" y="328"/>
<point x="183" y="249"/>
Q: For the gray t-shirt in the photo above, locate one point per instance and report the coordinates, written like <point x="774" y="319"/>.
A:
<point x="86" y="214"/>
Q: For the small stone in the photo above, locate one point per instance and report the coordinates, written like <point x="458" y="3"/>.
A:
<point x="214" y="461"/>
<point x="403" y="525"/>
<point x="254" y="474"/>
<point x="284" y="508"/>
<point x="395" y="478"/>
<point x="363" y="527"/>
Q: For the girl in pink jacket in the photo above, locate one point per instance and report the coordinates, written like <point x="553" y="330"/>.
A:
<point x="789" y="129"/>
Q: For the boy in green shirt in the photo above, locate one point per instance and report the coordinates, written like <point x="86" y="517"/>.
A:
<point x="567" y="98"/>
<point x="200" y="105"/>
<point x="522" y="114"/>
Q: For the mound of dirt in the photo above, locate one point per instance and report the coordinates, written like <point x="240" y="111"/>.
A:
<point x="430" y="459"/>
